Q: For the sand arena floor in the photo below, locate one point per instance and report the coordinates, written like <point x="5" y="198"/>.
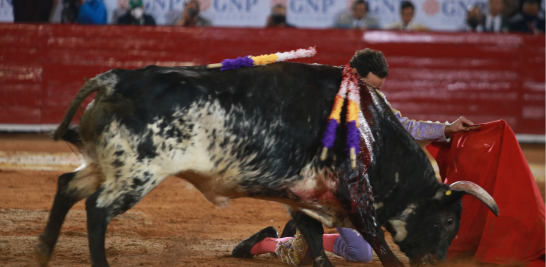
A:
<point x="174" y="225"/>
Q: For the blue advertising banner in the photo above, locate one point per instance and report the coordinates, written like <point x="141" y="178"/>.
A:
<point x="236" y="13"/>
<point x="6" y="11"/>
<point x="315" y="13"/>
<point x="444" y="15"/>
<point x="447" y="15"/>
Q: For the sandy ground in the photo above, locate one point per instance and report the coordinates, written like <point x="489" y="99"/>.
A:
<point x="174" y="225"/>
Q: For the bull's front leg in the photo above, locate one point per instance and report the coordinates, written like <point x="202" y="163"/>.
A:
<point x="355" y="195"/>
<point x="312" y="231"/>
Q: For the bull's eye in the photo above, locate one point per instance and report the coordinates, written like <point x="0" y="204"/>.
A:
<point x="449" y="222"/>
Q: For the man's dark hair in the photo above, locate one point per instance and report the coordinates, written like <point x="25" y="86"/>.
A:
<point x="406" y="4"/>
<point x="369" y="60"/>
<point x="70" y="11"/>
<point x="277" y="6"/>
<point x="360" y="2"/>
<point x="196" y="2"/>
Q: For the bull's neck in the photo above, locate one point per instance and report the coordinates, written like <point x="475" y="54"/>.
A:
<point x="400" y="170"/>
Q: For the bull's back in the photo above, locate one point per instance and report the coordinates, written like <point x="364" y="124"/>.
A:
<point x="267" y="119"/>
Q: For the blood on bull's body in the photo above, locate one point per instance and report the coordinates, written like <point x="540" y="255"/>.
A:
<point x="252" y="132"/>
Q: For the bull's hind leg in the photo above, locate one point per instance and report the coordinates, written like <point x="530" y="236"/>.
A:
<point x="116" y="196"/>
<point x="71" y="188"/>
<point x="312" y="231"/>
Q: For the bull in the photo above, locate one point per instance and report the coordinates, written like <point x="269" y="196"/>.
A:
<point x="253" y="132"/>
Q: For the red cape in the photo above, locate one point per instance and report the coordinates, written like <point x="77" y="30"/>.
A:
<point x="491" y="157"/>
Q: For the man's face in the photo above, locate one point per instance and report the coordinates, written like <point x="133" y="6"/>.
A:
<point x="123" y="4"/>
<point x="530" y="8"/>
<point x="192" y="8"/>
<point x="374" y="81"/>
<point x="407" y="15"/>
<point x="495" y="7"/>
<point x="474" y="13"/>
<point x="359" y="11"/>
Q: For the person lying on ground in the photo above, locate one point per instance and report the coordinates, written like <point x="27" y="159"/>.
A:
<point x="347" y="243"/>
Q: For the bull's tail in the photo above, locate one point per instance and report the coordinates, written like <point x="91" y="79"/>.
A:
<point x="71" y="134"/>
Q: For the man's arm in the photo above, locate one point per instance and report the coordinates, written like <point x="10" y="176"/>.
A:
<point x="422" y="130"/>
<point x="430" y="131"/>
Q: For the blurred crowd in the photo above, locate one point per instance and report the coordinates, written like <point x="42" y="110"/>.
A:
<point x="525" y="16"/>
<point x="128" y="12"/>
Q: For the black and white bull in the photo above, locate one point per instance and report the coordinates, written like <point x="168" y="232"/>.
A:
<point x="253" y="132"/>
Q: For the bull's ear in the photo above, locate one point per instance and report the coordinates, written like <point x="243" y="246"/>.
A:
<point x="447" y="197"/>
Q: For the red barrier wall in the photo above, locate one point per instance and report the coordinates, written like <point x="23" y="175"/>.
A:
<point x="433" y="76"/>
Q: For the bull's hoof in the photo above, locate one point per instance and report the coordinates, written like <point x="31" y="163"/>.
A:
<point x="242" y="250"/>
<point x="42" y="252"/>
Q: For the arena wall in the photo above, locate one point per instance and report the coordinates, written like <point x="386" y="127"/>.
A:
<point x="433" y="76"/>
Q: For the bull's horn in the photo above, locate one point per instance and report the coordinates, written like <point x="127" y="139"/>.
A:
<point x="478" y="192"/>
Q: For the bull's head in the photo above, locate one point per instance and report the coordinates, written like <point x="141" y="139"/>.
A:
<point x="425" y="229"/>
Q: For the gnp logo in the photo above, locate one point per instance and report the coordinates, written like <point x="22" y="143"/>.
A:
<point x="456" y="8"/>
<point x="231" y="6"/>
<point x="310" y="6"/>
<point x="380" y="7"/>
<point x="164" y="5"/>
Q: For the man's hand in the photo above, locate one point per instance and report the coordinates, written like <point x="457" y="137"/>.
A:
<point x="460" y="125"/>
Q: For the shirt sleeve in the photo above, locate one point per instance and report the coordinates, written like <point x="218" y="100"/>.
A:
<point x="420" y="130"/>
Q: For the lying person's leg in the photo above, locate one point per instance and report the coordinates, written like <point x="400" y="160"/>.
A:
<point x="348" y="244"/>
<point x="292" y="250"/>
<point x="261" y="242"/>
<point x="351" y="246"/>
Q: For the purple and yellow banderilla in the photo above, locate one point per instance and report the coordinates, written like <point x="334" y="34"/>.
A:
<point x="348" y="89"/>
<point x="249" y="61"/>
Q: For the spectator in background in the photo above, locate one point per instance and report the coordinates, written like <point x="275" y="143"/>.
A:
<point x="278" y="17"/>
<point x="55" y="16"/>
<point x="32" y="10"/>
<point x="474" y="19"/>
<point x="120" y="10"/>
<point x="527" y="20"/>
<point x="92" y="12"/>
<point x="358" y="18"/>
<point x="510" y="9"/>
<point x="520" y="3"/>
<point x="407" y="11"/>
<point x="70" y="11"/>
<point x="135" y="15"/>
<point x="190" y="16"/>
<point x="494" y="20"/>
